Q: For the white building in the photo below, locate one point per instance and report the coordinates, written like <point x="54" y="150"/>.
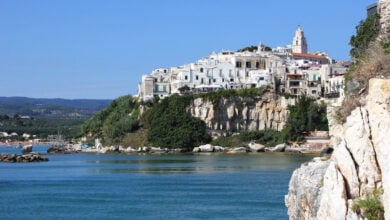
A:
<point x="286" y="69"/>
<point x="224" y="70"/>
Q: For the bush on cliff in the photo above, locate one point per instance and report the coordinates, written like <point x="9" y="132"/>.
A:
<point x="172" y="127"/>
<point x="370" y="60"/>
<point x="113" y="123"/>
<point x="305" y="115"/>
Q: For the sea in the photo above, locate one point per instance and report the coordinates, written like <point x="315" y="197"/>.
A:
<point x="147" y="186"/>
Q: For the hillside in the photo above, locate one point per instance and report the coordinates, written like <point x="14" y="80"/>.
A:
<point x="63" y="108"/>
<point x="43" y="117"/>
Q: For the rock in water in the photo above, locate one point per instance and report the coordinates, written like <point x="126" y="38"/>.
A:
<point x="27" y="149"/>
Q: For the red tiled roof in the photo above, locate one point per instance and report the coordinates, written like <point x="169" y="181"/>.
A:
<point x="309" y="55"/>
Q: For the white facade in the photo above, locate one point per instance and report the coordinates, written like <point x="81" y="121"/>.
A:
<point x="225" y="70"/>
<point x="285" y="69"/>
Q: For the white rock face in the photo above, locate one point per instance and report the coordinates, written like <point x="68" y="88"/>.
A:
<point x="303" y="197"/>
<point x="333" y="204"/>
<point x="240" y="113"/>
<point x="359" y="164"/>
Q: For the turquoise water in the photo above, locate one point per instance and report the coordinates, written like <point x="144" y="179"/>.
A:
<point x="169" y="186"/>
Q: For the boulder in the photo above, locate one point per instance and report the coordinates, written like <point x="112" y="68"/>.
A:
<point x="27" y="149"/>
<point x="237" y="150"/>
<point x="219" y="149"/>
<point x="279" y="148"/>
<point x="196" y="150"/>
<point x="30" y="157"/>
<point x="206" y="148"/>
<point x="254" y="147"/>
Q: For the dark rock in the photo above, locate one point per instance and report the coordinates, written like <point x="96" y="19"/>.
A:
<point x="326" y="151"/>
<point x="31" y="157"/>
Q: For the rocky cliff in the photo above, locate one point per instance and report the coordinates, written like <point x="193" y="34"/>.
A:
<point x="227" y="115"/>
<point x="358" y="173"/>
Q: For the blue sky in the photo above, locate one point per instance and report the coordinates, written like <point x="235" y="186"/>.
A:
<point x="100" y="49"/>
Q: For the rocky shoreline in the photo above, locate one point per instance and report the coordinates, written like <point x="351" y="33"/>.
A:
<point x="207" y="148"/>
<point x="25" y="158"/>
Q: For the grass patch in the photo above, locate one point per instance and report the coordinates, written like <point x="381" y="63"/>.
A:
<point x="136" y="139"/>
<point x="371" y="206"/>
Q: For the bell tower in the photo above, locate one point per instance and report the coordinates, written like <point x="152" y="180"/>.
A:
<point x="299" y="44"/>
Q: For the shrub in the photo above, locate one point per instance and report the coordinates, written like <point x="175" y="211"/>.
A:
<point x="371" y="206"/>
<point x="305" y="115"/>
<point x="118" y="119"/>
<point x="172" y="127"/>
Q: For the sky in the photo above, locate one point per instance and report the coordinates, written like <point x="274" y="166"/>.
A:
<point x="99" y="49"/>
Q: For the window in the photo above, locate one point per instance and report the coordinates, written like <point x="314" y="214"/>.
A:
<point x="248" y="64"/>
<point x="155" y="88"/>
<point x="231" y="80"/>
<point x="238" y="64"/>
<point x="165" y="71"/>
<point x="197" y="77"/>
<point x="214" y="80"/>
<point x="186" y="77"/>
<point x="201" y="70"/>
<point x="164" y="88"/>
<point x="201" y="81"/>
<point x="247" y="74"/>
<point x="257" y="65"/>
<point x="220" y="72"/>
<point x="261" y="78"/>
<point x="223" y="80"/>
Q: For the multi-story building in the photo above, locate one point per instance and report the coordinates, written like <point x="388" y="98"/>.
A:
<point x="287" y="69"/>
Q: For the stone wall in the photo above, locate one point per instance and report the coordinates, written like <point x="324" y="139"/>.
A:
<point x="356" y="168"/>
<point x="228" y="115"/>
<point x="384" y="11"/>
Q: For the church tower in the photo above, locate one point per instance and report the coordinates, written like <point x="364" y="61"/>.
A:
<point x="299" y="44"/>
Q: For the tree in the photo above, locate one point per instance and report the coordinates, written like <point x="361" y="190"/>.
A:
<point x="305" y="115"/>
<point x="172" y="127"/>
<point x="366" y="32"/>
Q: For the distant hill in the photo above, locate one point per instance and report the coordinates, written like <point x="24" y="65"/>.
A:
<point x="58" y="108"/>
<point x="46" y="116"/>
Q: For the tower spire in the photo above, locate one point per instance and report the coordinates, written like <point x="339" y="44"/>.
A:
<point x="299" y="44"/>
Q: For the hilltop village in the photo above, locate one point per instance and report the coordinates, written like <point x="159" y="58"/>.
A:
<point x="289" y="69"/>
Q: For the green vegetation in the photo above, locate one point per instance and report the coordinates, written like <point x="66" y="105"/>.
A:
<point x="306" y="115"/>
<point x="113" y="123"/>
<point x="371" y="206"/>
<point x="41" y="127"/>
<point x="51" y="108"/>
<point x="268" y="138"/>
<point x="43" y="117"/>
<point x="371" y="60"/>
<point x="172" y="127"/>
<point x="166" y="123"/>
<point x="226" y="93"/>
<point x="366" y="32"/>
<point x="254" y="48"/>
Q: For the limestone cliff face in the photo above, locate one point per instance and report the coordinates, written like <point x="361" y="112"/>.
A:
<point x="358" y="166"/>
<point x="384" y="11"/>
<point x="232" y="114"/>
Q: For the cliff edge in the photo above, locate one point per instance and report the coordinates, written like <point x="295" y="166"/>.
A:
<point x="354" y="183"/>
